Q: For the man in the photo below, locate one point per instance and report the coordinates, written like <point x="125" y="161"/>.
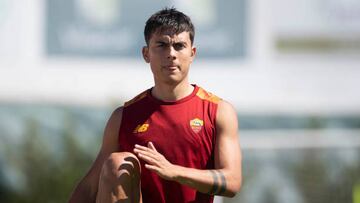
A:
<point x="172" y="143"/>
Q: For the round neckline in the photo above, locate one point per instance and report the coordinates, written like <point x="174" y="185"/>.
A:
<point x="182" y="100"/>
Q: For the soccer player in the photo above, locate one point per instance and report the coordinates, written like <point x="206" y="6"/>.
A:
<point x="175" y="142"/>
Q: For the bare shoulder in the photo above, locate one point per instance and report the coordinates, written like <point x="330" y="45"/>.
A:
<point x="115" y="117"/>
<point x="112" y="128"/>
<point x="226" y="118"/>
<point x="117" y="113"/>
<point x="225" y="110"/>
<point x="225" y="106"/>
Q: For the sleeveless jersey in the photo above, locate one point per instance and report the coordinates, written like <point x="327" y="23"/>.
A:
<point x="183" y="131"/>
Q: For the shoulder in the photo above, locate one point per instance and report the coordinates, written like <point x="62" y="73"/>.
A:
<point x="115" y="118"/>
<point x="226" y="115"/>
<point x="225" y="106"/>
<point x="136" y="98"/>
<point x="208" y="96"/>
<point x="117" y="113"/>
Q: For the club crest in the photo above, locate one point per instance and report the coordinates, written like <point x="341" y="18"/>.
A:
<point x="196" y="124"/>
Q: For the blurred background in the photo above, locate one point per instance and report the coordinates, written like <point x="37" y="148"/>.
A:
<point x="291" y="69"/>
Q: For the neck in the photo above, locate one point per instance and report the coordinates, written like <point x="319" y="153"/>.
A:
<point x="172" y="92"/>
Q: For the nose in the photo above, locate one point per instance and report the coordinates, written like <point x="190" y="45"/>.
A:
<point x="171" y="53"/>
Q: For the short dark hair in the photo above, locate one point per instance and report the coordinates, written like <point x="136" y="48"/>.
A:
<point x="169" y="19"/>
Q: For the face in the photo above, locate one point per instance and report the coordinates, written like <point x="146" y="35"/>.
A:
<point x="169" y="57"/>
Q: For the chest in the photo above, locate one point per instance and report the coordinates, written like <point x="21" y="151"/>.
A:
<point x="182" y="132"/>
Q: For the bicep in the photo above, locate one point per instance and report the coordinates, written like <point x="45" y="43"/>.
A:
<point x="111" y="132"/>
<point x="227" y="148"/>
<point x="109" y="145"/>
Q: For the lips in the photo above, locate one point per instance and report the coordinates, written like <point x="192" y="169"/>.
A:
<point x="171" y="67"/>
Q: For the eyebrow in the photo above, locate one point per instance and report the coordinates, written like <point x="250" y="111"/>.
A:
<point x="161" y="42"/>
<point x="167" y="42"/>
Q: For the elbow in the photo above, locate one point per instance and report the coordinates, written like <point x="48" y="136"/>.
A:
<point x="234" y="188"/>
<point x="230" y="194"/>
<point x="232" y="191"/>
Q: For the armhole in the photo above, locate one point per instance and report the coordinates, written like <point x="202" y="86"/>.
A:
<point x="216" y="111"/>
<point x="120" y="126"/>
<point x="216" y="108"/>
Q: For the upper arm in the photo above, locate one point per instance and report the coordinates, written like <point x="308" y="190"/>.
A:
<point x="110" y="139"/>
<point x="227" y="148"/>
<point x="109" y="145"/>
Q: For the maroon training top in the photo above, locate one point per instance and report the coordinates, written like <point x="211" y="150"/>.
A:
<point x="183" y="131"/>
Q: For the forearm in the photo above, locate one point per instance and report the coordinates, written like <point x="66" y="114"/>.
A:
<point x="225" y="181"/>
<point x="217" y="182"/>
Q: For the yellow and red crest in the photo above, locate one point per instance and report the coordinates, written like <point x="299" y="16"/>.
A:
<point x="196" y="124"/>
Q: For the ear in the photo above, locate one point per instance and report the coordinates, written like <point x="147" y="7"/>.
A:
<point x="193" y="53"/>
<point x="145" y="53"/>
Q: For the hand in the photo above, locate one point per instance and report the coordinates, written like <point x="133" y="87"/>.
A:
<point x="155" y="161"/>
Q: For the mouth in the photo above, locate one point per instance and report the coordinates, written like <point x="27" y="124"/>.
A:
<point x="171" y="67"/>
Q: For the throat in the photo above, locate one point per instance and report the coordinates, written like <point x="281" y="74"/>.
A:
<point x="171" y="94"/>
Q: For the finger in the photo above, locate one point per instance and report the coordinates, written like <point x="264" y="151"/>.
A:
<point x="151" y="146"/>
<point x="152" y="168"/>
<point x="140" y="147"/>
<point x="149" y="153"/>
<point x="143" y="151"/>
<point x="147" y="159"/>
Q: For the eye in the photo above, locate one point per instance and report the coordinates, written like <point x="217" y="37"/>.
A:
<point x="161" y="44"/>
<point x="179" y="46"/>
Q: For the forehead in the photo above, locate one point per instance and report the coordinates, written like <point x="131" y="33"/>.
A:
<point x="168" y="36"/>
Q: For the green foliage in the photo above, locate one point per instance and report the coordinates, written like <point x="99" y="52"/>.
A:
<point x="51" y="157"/>
<point x="315" y="183"/>
<point x="48" y="176"/>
